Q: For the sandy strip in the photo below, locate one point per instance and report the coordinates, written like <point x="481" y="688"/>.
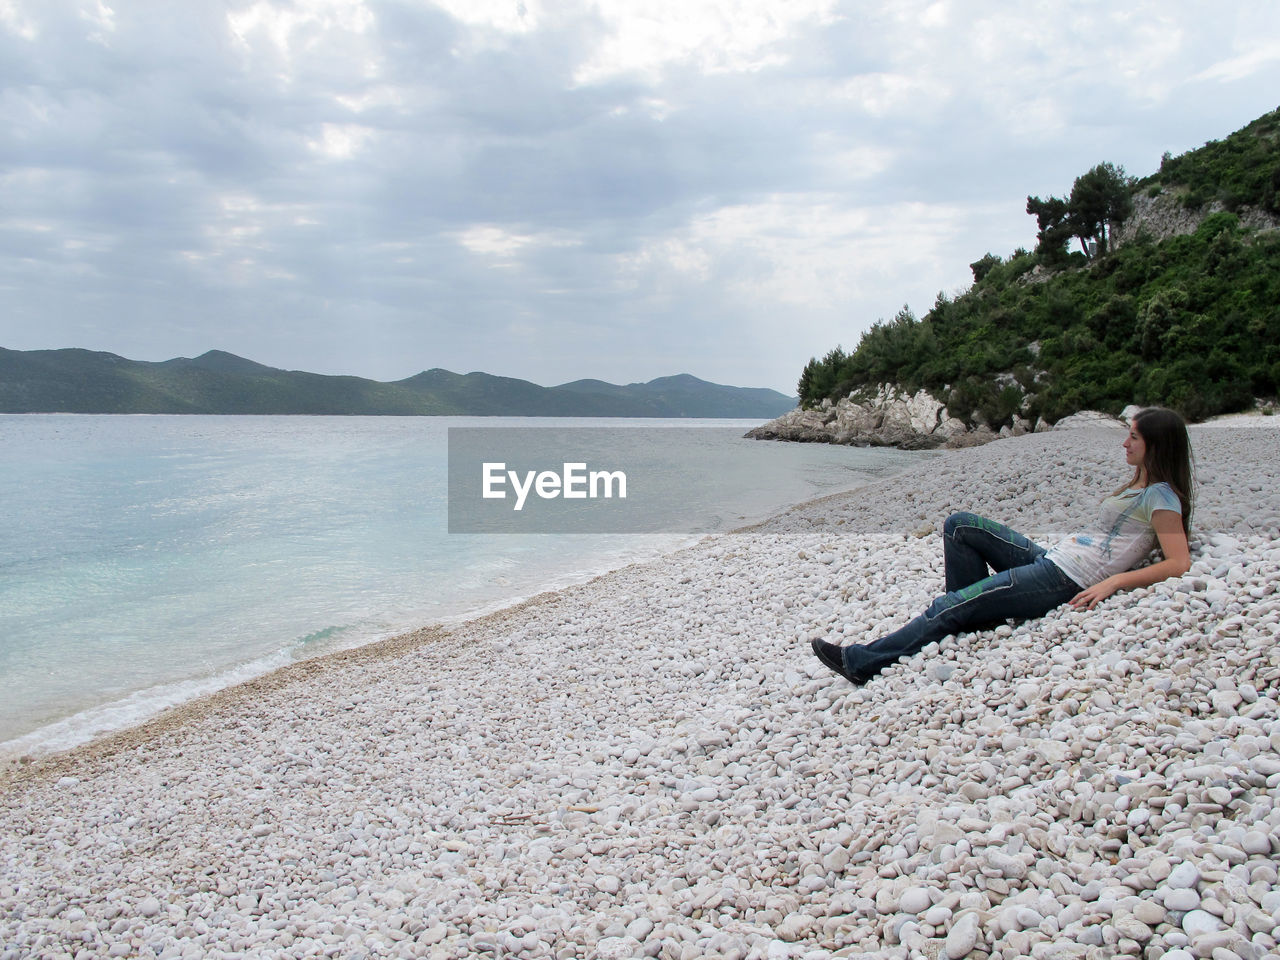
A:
<point x="653" y="764"/>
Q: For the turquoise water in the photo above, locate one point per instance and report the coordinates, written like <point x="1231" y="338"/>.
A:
<point x="146" y="560"/>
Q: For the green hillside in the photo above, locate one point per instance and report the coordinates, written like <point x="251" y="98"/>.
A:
<point x="85" y="381"/>
<point x="1190" y="321"/>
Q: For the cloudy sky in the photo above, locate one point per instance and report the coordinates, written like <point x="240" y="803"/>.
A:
<point x="556" y="189"/>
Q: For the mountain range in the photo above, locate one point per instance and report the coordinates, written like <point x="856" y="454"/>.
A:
<point x="86" y="381"/>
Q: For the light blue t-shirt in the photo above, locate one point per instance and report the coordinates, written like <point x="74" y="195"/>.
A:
<point x="1122" y="536"/>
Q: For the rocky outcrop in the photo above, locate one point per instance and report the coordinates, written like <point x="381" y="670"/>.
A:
<point x="890" y="417"/>
<point x="1087" y="419"/>
<point x="1164" y="216"/>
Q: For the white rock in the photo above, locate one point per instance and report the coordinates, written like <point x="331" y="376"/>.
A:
<point x="433" y="934"/>
<point x="1199" y="922"/>
<point x="915" y="900"/>
<point x="937" y="916"/>
<point x="962" y="938"/>
<point x="618" y="948"/>
<point x="1181" y="899"/>
<point x="1256" y="843"/>
<point x="608" y="884"/>
<point x="1087" y="419"/>
<point x="1184" y="876"/>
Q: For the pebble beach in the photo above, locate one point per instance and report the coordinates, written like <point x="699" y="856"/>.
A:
<point x="654" y="764"/>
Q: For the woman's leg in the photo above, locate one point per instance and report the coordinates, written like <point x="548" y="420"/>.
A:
<point x="1018" y="593"/>
<point x="974" y="547"/>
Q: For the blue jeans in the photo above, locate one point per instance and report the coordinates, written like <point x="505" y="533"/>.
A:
<point x="993" y="574"/>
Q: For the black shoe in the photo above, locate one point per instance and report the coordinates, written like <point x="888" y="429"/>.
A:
<point x="832" y="656"/>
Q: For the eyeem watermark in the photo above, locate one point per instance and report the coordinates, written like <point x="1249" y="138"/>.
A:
<point x="574" y="482"/>
<point x="615" y="479"/>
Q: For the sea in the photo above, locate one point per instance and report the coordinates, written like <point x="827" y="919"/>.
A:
<point x="149" y="560"/>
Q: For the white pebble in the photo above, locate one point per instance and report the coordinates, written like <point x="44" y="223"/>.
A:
<point x="1199" y="922"/>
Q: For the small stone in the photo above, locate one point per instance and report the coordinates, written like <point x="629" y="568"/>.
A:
<point x="1028" y="919"/>
<point x="1182" y="899"/>
<point x="886" y="902"/>
<point x="836" y="860"/>
<point x="1159" y="868"/>
<point x="1215" y="944"/>
<point x="937" y="916"/>
<point x="962" y="938"/>
<point x="1149" y="912"/>
<point x="794" y="926"/>
<point x="1199" y="922"/>
<point x="149" y="907"/>
<point x="1256" y="843"/>
<point x="1265" y="764"/>
<point x="433" y="934"/>
<point x="1138" y="818"/>
<point x="1183" y="877"/>
<point x="916" y="900"/>
<point x="608" y="884"/>
<point x="617" y="948"/>
<point x="1133" y="928"/>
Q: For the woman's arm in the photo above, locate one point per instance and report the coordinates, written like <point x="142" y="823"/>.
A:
<point x="1176" y="562"/>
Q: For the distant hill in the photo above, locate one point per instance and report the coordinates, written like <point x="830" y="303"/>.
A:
<point x="85" y="381"/>
<point x="683" y="394"/>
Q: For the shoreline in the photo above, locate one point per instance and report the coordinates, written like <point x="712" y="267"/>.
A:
<point x="17" y="751"/>
<point x="653" y="760"/>
<point x="389" y="578"/>
<point x="17" y="767"/>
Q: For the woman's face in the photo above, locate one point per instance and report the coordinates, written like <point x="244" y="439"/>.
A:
<point x="1135" y="448"/>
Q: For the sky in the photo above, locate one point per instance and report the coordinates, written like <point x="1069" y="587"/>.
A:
<point x="617" y="189"/>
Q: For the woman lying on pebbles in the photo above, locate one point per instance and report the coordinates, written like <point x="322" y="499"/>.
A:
<point x="1028" y="581"/>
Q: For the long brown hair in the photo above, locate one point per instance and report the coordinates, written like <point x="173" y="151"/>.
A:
<point x="1168" y="458"/>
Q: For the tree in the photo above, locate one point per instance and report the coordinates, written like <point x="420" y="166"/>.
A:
<point x="1099" y="199"/>
<point x="982" y="267"/>
<point x="1053" y="229"/>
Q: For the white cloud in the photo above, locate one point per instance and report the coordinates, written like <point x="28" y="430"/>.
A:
<point x="682" y="255"/>
<point x="1243" y="64"/>
<point x="504" y="16"/>
<point x="28" y="226"/>
<point x="15" y="21"/>
<point x="290" y="32"/>
<point x="340" y="141"/>
<point x="501" y="243"/>
<point x="102" y="17"/>
<point x="805" y="251"/>
<point x="372" y="98"/>
<point x="885" y="94"/>
<point x="645" y="37"/>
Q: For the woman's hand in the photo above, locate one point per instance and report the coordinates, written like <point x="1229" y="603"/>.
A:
<point x="1088" y="599"/>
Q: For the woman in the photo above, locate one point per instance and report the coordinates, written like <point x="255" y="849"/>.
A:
<point x="1028" y="581"/>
